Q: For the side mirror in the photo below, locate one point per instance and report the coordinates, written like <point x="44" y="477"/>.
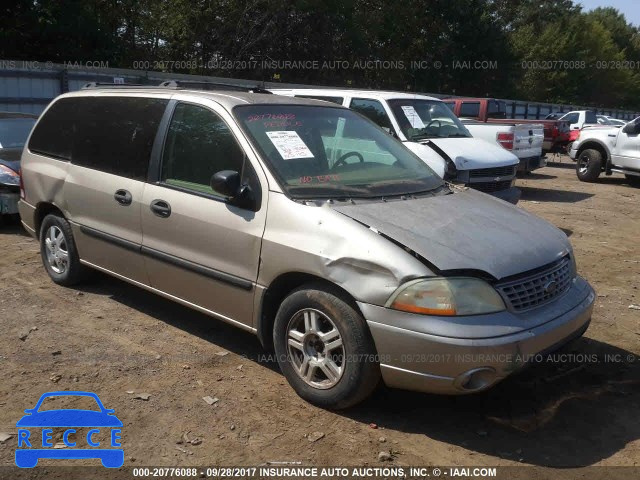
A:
<point x="226" y="182"/>
<point x="631" y="128"/>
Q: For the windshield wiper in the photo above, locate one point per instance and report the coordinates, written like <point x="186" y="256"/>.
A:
<point x="340" y="190"/>
<point x="416" y="138"/>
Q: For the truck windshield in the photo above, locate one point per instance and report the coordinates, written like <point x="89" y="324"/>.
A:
<point x="329" y="152"/>
<point x="424" y="119"/>
<point x="14" y="131"/>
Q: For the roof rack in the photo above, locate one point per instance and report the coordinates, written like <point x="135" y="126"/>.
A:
<point x="180" y="84"/>
<point x="195" y="85"/>
<point x="115" y="85"/>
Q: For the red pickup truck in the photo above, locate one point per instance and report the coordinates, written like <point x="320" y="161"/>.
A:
<point x="491" y="110"/>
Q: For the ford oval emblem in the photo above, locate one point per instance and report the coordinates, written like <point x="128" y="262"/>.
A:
<point x="551" y="287"/>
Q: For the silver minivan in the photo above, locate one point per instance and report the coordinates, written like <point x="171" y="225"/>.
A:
<point x="304" y="223"/>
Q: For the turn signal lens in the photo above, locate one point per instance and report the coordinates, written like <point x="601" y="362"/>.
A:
<point x="447" y="297"/>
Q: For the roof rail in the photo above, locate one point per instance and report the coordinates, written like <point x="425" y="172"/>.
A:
<point x="195" y="85"/>
<point x="179" y="84"/>
<point x="114" y="85"/>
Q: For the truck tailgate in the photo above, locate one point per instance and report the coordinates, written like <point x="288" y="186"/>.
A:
<point x="527" y="142"/>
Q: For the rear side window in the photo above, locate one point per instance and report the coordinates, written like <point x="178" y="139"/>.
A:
<point x="496" y="109"/>
<point x="199" y="143"/>
<point x="115" y="134"/>
<point x="590" y="117"/>
<point x="53" y="136"/>
<point x="470" y="109"/>
<point x="571" y="117"/>
<point x="111" y="134"/>
<point x="372" y="109"/>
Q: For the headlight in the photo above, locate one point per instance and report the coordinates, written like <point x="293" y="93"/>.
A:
<point x="8" y="176"/>
<point x="447" y="297"/>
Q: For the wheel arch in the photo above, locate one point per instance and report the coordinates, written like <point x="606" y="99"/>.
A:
<point x="42" y="210"/>
<point x="595" y="145"/>
<point x="280" y="288"/>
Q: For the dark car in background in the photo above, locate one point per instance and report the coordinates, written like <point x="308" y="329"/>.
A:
<point x="14" y="130"/>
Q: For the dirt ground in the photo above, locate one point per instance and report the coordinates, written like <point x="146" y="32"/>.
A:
<point x="112" y="338"/>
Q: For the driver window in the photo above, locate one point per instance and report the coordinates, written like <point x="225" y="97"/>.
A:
<point x="199" y="143"/>
<point x="373" y="110"/>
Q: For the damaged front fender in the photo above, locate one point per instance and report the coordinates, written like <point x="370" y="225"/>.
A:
<point x="317" y="240"/>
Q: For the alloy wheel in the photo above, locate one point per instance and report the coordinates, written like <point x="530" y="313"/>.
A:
<point x="56" y="248"/>
<point x="315" y="348"/>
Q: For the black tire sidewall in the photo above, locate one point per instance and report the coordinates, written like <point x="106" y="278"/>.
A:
<point x="594" y="167"/>
<point x="74" y="271"/>
<point x="362" y="371"/>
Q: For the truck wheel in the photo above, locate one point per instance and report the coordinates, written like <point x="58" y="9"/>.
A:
<point x="59" y="253"/>
<point x="589" y="165"/>
<point x="633" y="180"/>
<point x="324" y="348"/>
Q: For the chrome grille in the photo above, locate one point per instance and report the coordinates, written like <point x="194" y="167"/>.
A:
<point x="537" y="289"/>
<point x="493" y="172"/>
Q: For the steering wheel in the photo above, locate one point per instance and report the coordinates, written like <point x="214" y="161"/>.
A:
<point x="341" y="160"/>
<point x="434" y="121"/>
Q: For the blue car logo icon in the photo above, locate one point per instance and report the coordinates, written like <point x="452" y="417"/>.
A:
<point x="29" y="452"/>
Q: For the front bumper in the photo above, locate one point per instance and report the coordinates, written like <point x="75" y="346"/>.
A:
<point x="458" y="355"/>
<point x="9" y="202"/>
<point x="511" y="195"/>
<point x="573" y="153"/>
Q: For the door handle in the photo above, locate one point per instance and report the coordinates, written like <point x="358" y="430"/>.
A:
<point x="123" y="197"/>
<point x="160" y="208"/>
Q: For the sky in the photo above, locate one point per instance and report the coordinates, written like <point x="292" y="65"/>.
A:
<point x="630" y="8"/>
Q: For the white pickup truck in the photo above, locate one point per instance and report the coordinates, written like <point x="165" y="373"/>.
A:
<point x="523" y="140"/>
<point x="580" y="118"/>
<point x="430" y="130"/>
<point x="609" y="150"/>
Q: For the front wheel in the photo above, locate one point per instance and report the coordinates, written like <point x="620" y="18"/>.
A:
<point x="589" y="165"/>
<point x="324" y="348"/>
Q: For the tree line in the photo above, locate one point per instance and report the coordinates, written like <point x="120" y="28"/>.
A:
<point x="547" y="51"/>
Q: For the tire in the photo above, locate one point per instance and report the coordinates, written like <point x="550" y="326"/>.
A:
<point x="633" y="180"/>
<point x="318" y="319"/>
<point x="589" y="165"/>
<point x="59" y="253"/>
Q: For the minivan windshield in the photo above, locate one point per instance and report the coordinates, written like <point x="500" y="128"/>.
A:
<point x="424" y="119"/>
<point x="329" y="152"/>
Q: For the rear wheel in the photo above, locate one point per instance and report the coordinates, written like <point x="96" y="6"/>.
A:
<point x="324" y="348"/>
<point x="59" y="253"/>
<point x="633" y="180"/>
<point x="589" y="165"/>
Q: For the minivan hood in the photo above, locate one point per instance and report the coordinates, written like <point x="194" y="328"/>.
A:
<point x="472" y="153"/>
<point x="466" y="230"/>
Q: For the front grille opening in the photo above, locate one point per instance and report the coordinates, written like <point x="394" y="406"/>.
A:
<point x="488" y="187"/>
<point x="493" y="172"/>
<point x="536" y="289"/>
